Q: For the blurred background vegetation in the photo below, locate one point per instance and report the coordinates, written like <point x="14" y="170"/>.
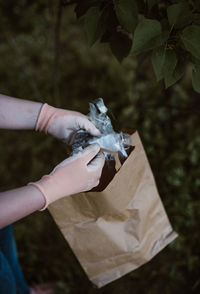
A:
<point x="45" y="57"/>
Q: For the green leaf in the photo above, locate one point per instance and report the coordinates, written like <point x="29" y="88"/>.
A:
<point x="190" y="37"/>
<point x="148" y="35"/>
<point x="111" y="24"/>
<point x="179" y="15"/>
<point x="164" y="63"/>
<point x="158" y="60"/>
<point x="127" y="13"/>
<point x="172" y="78"/>
<point x="82" y="7"/>
<point x="120" y="45"/>
<point x="170" y="62"/>
<point x="95" y="24"/>
<point x="166" y="66"/>
<point x="169" y="68"/>
<point x="196" y="77"/>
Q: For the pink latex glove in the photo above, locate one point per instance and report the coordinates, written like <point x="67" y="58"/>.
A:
<point x="63" y="123"/>
<point x="78" y="173"/>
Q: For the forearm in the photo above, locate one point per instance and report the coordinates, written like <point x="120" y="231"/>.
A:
<point x="18" y="203"/>
<point x="18" y="113"/>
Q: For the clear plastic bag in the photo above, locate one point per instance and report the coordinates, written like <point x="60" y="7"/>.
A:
<point x="109" y="140"/>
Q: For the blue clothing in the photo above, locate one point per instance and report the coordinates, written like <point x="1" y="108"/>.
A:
<point x="11" y="277"/>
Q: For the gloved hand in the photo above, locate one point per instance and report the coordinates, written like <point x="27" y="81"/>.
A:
<point x="78" y="173"/>
<point x="63" y="123"/>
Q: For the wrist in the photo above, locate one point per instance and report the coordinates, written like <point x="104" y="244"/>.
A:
<point x="50" y="189"/>
<point x="45" y="115"/>
<point x="37" y="197"/>
<point x="37" y="114"/>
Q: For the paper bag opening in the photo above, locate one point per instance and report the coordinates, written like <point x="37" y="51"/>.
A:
<point x="111" y="168"/>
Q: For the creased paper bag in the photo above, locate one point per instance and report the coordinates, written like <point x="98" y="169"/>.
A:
<point x="117" y="230"/>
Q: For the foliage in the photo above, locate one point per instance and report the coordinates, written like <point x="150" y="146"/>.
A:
<point x="167" y="120"/>
<point x="172" y="27"/>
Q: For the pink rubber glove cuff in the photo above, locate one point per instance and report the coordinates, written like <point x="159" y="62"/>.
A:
<point x="47" y="114"/>
<point x="47" y="186"/>
<point x="78" y="173"/>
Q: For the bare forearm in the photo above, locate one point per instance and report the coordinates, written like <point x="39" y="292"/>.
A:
<point x="18" y="113"/>
<point x="18" y="203"/>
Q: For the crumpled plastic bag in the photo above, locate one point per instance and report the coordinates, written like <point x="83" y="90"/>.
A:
<point x="109" y="140"/>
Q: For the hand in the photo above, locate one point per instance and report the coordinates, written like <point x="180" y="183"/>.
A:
<point x="63" y="123"/>
<point x="78" y="173"/>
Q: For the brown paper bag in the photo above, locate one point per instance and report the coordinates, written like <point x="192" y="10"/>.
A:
<point x="117" y="230"/>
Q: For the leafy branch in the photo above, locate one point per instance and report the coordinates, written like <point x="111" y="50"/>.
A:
<point x="169" y="30"/>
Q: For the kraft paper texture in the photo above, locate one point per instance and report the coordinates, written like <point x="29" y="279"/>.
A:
<point x="119" y="229"/>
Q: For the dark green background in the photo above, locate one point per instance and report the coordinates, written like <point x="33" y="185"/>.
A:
<point x="70" y="75"/>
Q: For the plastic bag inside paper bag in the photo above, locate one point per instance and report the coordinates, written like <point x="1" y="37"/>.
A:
<point x="109" y="140"/>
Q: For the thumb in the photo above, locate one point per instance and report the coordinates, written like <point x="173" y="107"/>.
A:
<point x="90" y="152"/>
<point x="97" y="162"/>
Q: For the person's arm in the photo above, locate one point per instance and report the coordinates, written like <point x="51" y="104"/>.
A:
<point x="18" y="114"/>
<point x="78" y="173"/>
<point x="18" y="203"/>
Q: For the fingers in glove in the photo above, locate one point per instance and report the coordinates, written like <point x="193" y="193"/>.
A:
<point x="87" y="125"/>
<point x="86" y="154"/>
<point x="69" y="139"/>
<point x="97" y="163"/>
<point x="90" y="152"/>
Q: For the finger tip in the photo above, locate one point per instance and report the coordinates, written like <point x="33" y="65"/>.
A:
<point x="96" y="133"/>
<point x="93" y="130"/>
<point x="96" y="146"/>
